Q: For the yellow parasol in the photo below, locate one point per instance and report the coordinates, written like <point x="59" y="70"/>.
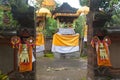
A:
<point x="86" y="9"/>
<point x="83" y="9"/>
<point x="80" y="10"/>
<point x="43" y="12"/>
<point x="50" y="3"/>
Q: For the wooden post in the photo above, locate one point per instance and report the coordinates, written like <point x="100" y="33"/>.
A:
<point x="90" y="75"/>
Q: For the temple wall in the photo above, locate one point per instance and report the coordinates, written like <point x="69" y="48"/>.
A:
<point x="115" y="51"/>
<point x="6" y="58"/>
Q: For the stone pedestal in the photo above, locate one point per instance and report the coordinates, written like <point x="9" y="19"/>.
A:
<point x="40" y="54"/>
<point x="67" y="55"/>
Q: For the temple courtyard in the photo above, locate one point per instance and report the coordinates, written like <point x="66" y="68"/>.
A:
<point x="61" y="68"/>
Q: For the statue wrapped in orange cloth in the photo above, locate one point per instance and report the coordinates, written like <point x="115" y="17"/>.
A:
<point x="25" y="53"/>
<point x="25" y="58"/>
<point x="102" y="50"/>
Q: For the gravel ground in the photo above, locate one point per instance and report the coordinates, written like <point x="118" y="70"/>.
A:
<point x="61" y="69"/>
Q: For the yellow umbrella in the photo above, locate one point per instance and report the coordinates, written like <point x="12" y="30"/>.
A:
<point x="43" y="12"/>
<point x="83" y="9"/>
<point x="50" y="3"/>
<point x="80" y="10"/>
<point x="86" y="9"/>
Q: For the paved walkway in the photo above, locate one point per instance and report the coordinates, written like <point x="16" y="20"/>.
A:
<point x="61" y="69"/>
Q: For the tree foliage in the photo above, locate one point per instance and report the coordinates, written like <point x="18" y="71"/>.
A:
<point x="7" y="20"/>
<point x="114" y="9"/>
<point x="84" y="2"/>
<point x="21" y="5"/>
<point x="50" y="27"/>
<point x="109" y="8"/>
<point x="79" y="24"/>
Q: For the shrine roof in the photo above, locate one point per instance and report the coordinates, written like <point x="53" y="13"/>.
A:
<point x="65" y="8"/>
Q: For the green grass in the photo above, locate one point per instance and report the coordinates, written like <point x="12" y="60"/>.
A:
<point x="49" y="55"/>
<point x="84" y="57"/>
<point x="84" y="78"/>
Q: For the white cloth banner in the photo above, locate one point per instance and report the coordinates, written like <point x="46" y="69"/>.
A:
<point x="40" y="48"/>
<point x="65" y="49"/>
<point x="66" y="31"/>
<point x="33" y="57"/>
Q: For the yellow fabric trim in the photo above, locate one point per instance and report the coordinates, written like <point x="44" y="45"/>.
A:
<point x="39" y="39"/>
<point x="66" y="40"/>
<point x="66" y="14"/>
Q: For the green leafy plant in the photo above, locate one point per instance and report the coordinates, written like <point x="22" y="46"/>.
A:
<point x="3" y="76"/>
<point x="50" y="27"/>
<point x="79" y="24"/>
<point x="6" y="19"/>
